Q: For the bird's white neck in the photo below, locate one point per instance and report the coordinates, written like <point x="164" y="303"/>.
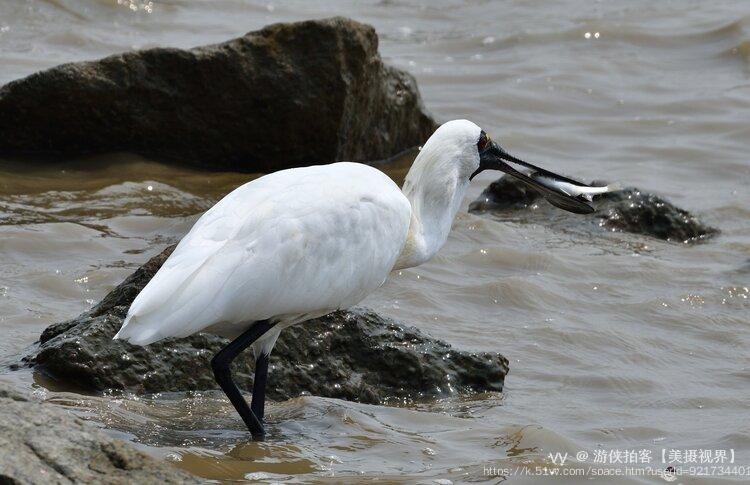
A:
<point x="435" y="186"/>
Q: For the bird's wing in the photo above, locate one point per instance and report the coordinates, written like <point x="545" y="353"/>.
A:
<point x="292" y="242"/>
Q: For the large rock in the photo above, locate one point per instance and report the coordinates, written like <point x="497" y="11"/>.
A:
<point x="287" y="95"/>
<point x="355" y="355"/>
<point x="628" y="210"/>
<point x="43" y="443"/>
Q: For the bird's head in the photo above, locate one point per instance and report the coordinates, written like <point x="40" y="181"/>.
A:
<point x="470" y="151"/>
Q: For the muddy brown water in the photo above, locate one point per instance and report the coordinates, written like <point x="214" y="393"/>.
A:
<point x="615" y="341"/>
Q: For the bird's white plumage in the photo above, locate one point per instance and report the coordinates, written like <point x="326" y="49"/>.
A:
<point x="287" y="246"/>
<point x="303" y="242"/>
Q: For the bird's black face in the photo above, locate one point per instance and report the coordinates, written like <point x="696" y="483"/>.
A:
<point x="493" y="157"/>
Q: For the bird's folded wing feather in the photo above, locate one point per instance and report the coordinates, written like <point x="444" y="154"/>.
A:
<point x="291" y="242"/>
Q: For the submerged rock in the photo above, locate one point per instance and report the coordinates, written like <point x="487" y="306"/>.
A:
<point x="355" y="355"/>
<point x="631" y="210"/>
<point x="43" y="443"/>
<point x="627" y="210"/>
<point x="287" y="95"/>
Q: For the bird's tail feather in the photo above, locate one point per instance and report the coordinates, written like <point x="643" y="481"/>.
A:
<point x="181" y="299"/>
<point x="132" y="333"/>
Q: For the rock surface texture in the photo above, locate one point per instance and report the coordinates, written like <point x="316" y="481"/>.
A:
<point x="287" y="95"/>
<point x="627" y="210"/>
<point x="354" y="355"/>
<point x="44" y="443"/>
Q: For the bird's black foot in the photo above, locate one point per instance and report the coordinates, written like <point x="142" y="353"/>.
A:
<point x="252" y="416"/>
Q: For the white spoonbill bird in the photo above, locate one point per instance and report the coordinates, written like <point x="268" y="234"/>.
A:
<point x="300" y="243"/>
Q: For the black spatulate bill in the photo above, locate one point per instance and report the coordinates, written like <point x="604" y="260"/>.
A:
<point x="494" y="158"/>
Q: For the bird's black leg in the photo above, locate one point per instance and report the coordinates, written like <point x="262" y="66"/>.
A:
<point x="257" y="405"/>
<point x="220" y="365"/>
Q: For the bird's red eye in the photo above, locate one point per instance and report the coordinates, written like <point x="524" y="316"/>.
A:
<point x="483" y="141"/>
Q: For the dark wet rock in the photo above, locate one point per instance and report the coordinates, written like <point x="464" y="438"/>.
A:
<point x="44" y="443"/>
<point x="632" y="210"/>
<point x="503" y="194"/>
<point x="627" y="210"/>
<point x="287" y="95"/>
<point x="355" y="355"/>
